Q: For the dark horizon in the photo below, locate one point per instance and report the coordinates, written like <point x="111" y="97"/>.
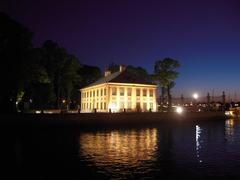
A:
<point x="203" y="35"/>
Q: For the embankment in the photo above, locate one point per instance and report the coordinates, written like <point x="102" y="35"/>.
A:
<point x="102" y="119"/>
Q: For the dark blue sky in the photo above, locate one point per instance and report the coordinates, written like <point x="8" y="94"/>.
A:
<point x="203" y="35"/>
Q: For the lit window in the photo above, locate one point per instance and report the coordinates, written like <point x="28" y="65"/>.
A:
<point x="93" y="93"/>
<point x="129" y="105"/>
<point x="144" y="92"/>
<point x="121" y="104"/>
<point x="101" y="92"/>
<point x="144" y="106"/>
<point x="129" y="91"/>
<point x="105" y="91"/>
<point x="151" y="93"/>
<point x="151" y="106"/>
<point x="121" y="91"/>
<point x="105" y="106"/>
<point x="97" y="92"/>
<point x="114" y="91"/>
<point x="138" y="107"/>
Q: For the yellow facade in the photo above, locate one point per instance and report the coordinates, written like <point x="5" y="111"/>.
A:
<point x="118" y="97"/>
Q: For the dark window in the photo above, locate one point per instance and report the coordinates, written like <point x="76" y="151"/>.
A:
<point x="138" y="92"/>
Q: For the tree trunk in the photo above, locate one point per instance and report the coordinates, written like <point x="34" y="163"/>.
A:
<point x="169" y="99"/>
<point x="57" y="98"/>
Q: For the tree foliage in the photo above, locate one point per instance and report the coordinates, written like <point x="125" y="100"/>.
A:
<point x="15" y="43"/>
<point x="62" y="69"/>
<point x="113" y="67"/>
<point x="165" y="72"/>
<point x="40" y="76"/>
<point x="88" y="74"/>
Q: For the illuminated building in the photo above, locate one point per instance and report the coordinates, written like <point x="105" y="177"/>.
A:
<point x="118" y="92"/>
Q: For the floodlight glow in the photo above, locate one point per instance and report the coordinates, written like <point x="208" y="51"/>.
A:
<point x="113" y="107"/>
<point x="179" y="110"/>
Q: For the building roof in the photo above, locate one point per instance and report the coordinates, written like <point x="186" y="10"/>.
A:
<point x="122" y="77"/>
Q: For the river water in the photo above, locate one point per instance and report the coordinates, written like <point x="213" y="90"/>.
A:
<point x="181" y="151"/>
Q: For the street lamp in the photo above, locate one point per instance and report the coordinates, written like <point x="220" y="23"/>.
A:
<point x="195" y="96"/>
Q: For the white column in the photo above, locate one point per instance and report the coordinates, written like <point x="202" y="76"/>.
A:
<point x="125" y="97"/>
<point x="134" y="98"/>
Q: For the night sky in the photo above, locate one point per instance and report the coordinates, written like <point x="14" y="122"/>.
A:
<point x="203" y="35"/>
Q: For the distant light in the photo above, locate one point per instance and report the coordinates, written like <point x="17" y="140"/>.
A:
<point x="63" y="101"/>
<point x="179" y="110"/>
<point x="16" y="102"/>
<point x="195" y="95"/>
<point x="37" y="112"/>
<point x="229" y="113"/>
<point x="48" y="112"/>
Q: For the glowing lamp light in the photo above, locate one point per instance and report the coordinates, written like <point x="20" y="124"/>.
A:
<point x="179" y="110"/>
<point x="195" y="95"/>
<point x="112" y="106"/>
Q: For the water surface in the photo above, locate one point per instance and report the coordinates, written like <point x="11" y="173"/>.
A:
<point x="181" y="151"/>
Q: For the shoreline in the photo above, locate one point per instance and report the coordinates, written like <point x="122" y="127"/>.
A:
<point x="102" y="119"/>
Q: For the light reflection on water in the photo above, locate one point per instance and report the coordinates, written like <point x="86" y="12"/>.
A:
<point x="187" y="150"/>
<point x="229" y="130"/>
<point x="120" y="151"/>
<point x="198" y="141"/>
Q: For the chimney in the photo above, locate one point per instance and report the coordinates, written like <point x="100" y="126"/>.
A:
<point x="122" y="68"/>
<point x="107" y="72"/>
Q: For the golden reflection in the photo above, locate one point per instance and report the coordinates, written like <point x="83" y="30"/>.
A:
<point x="229" y="129"/>
<point x="119" y="147"/>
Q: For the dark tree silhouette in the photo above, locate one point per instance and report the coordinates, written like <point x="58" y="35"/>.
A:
<point x="88" y="74"/>
<point x="62" y="70"/>
<point x="165" y="73"/>
<point x="113" y="67"/>
<point x="15" y="43"/>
